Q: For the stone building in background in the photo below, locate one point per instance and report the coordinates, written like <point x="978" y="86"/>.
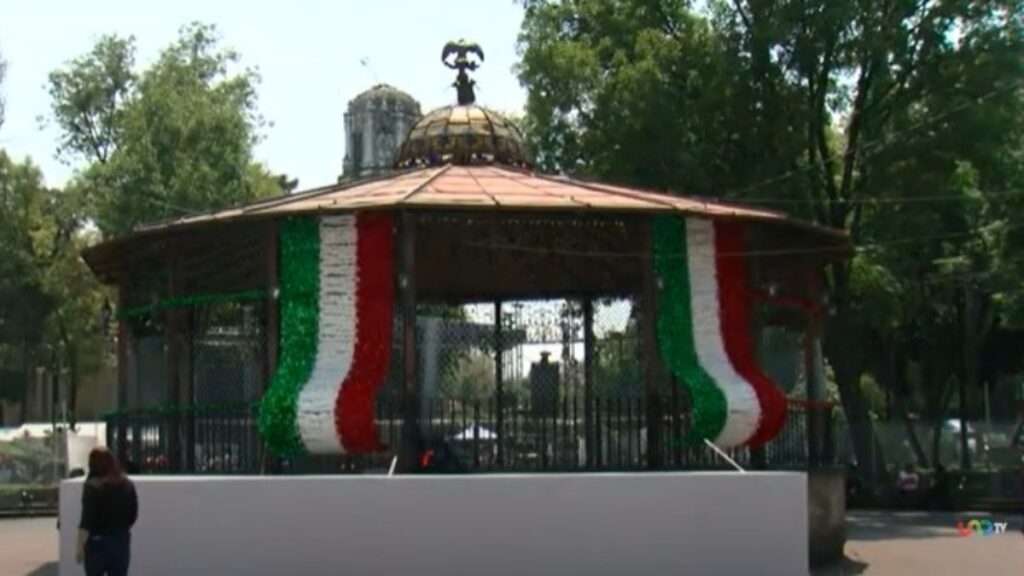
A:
<point x="376" y="122"/>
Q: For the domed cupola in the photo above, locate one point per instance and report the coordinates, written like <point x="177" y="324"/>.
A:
<point x="465" y="133"/>
<point x="375" y="123"/>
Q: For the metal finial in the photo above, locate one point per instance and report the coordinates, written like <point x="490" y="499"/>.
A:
<point x="461" y="51"/>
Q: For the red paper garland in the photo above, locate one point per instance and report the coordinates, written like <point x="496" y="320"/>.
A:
<point x="375" y="298"/>
<point x="735" y="305"/>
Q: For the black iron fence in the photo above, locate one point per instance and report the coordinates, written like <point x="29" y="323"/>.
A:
<point x="606" y="434"/>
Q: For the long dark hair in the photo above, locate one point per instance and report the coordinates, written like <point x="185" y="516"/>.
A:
<point x="104" y="467"/>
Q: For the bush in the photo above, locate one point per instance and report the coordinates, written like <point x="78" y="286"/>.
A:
<point x="22" y="496"/>
<point x="27" y="461"/>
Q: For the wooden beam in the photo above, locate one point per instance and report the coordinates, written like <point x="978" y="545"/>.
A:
<point x="410" y="444"/>
<point x="817" y="419"/>
<point x="499" y="382"/>
<point x="178" y="393"/>
<point x="655" y="374"/>
<point x="123" y="338"/>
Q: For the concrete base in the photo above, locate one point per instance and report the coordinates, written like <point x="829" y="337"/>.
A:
<point x="826" y="501"/>
<point x="496" y="525"/>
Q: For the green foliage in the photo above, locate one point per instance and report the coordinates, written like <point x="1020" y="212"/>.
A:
<point x="25" y="229"/>
<point x="49" y="300"/>
<point x="3" y="72"/>
<point x="167" y="141"/>
<point x="617" y="369"/>
<point x="88" y="97"/>
<point x="24" y="217"/>
<point x="857" y="115"/>
<point x="30" y="460"/>
<point x="874" y="394"/>
<point x="12" y="385"/>
<point x="471" y="377"/>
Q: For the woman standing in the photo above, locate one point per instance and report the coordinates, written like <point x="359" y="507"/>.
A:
<point x="109" y="510"/>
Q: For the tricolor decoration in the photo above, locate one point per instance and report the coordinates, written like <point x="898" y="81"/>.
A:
<point x="736" y="306"/>
<point x="704" y="332"/>
<point x="336" y="306"/>
<point x="676" y="330"/>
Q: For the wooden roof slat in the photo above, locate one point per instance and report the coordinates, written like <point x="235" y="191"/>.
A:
<point x="484" y="187"/>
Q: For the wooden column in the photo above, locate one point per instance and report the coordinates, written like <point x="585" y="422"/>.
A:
<point x="272" y="333"/>
<point x="408" y="451"/>
<point x="178" y="393"/>
<point x="187" y="389"/>
<point x="655" y="374"/>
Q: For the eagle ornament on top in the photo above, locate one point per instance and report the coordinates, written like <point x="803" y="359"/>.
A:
<point x="462" y="50"/>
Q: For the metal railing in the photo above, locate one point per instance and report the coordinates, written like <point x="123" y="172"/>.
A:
<point x="608" y="434"/>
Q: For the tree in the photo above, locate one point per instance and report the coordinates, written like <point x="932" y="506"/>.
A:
<point x="617" y="370"/>
<point x="878" y="78"/>
<point x="171" y="140"/>
<point x="825" y="105"/>
<point x="24" y="304"/>
<point x="3" y="72"/>
<point x="49" y="301"/>
<point x="88" y="99"/>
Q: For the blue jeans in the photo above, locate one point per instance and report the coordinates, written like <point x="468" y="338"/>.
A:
<point x="108" y="554"/>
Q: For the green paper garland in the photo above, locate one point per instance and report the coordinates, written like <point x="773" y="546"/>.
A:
<point x="300" y="286"/>
<point x="189" y="301"/>
<point x="675" y="330"/>
<point x="179" y="410"/>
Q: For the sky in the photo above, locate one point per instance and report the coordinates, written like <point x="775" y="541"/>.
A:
<point x="308" y="53"/>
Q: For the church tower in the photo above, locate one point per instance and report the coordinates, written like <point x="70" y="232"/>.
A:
<point x="375" y="124"/>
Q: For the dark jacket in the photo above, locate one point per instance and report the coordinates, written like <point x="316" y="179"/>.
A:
<point x="108" y="507"/>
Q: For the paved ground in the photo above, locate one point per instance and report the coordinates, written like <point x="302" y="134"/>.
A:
<point x="28" y="547"/>
<point x="879" y="544"/>
<point x="909" y="543"/>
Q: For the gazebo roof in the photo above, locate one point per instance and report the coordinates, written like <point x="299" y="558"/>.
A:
<point x="489" y="191"/>
<point x="484" y="188"/>
<point x="467" y="159"/>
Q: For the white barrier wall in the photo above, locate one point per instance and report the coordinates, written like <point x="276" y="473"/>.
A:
<point x="671" y="524"/>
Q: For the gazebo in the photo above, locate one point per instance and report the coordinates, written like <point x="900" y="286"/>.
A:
<point x="335" y="328"/>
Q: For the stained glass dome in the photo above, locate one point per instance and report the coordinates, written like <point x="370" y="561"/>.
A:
<point x="463" y="134"/>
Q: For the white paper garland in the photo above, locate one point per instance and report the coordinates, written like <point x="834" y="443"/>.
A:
<point x="744" y="409"/>
<point x="336" y="335"/>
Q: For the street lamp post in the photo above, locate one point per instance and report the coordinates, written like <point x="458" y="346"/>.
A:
<point x="54" y="403"/>
<point x="54" y="389"/>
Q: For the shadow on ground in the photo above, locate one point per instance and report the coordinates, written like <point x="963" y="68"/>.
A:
<point x="846" y="567"/>
<point x="48" y="569"/>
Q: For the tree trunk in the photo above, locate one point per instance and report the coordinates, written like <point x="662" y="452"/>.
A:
<point x="72" y="385"/>
<point x="936" y="442"/>
<point x="908" y="425"/>
<point x="938" y="420"/>
<point x="976" y="323"/>
<point x="841" y="349"/>
<point x="899" y="393"/>
<point x="847" y="376"/>
<point x="965" y="452"/>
